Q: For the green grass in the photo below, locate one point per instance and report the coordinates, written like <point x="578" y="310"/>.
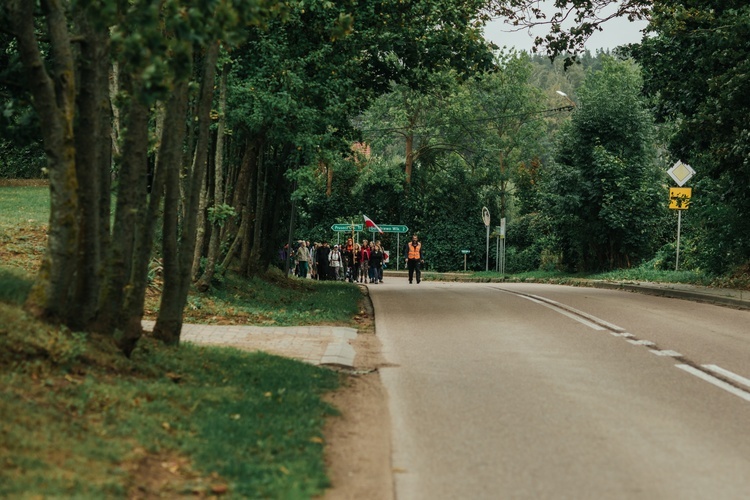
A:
<point x="275" y="300"/>
<point x="14" y="285"/>
<point x="635" y="274"/>
<point x="81" y="421"/>
<point x="27" y="205"/>
<point x="658" y="276"/>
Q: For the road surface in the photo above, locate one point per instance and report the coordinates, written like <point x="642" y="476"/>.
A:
<point x="541" y="391"/>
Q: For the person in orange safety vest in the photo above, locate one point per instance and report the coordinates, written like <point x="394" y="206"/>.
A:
<point x="414" y="258"/>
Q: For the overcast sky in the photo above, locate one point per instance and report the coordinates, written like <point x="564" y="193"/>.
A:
<point x="616" y="32"/>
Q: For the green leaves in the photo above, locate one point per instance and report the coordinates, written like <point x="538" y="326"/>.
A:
<point x="605" y="189"/>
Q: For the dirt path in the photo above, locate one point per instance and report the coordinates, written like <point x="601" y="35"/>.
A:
<point x="358" y="442"/>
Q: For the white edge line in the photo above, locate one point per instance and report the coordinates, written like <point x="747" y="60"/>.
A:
<point x="591" y="325"/>
<point x="599" y="321"/>
<point x="641" y="342"/>
<point x="667" y="352"/>
<point x="728" y="374"/>
<point x="715" y="381"/>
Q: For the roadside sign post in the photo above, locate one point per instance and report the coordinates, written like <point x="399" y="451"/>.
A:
<point x="466" y="253"/>
<point x="502" y="245"/>
<point x="679" y="198"/>
<point x="486" y="220"/>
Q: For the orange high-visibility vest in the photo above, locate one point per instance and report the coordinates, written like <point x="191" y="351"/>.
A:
<point x="415" y="252"/>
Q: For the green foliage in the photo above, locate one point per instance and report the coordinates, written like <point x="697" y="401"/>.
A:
<point x="218" y="215"/>
<point x="696" y="68"/>
<point x="444" y="209"/>
<point x="604" y="193"/>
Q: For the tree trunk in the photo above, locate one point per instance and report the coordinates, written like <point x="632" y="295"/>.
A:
<point x="129" y="210"/>
<point x="329" y="179"/>
<point x="214" y="247"/>
<point x="409" y="156"/>
<point x="254" y="266"/>
<point x="54" y="101"/>
<point x="201" y="226"/>
<point x="241" y="185"/>
<point x="252" y="206"/>
<point x="92" y="135"/>
<point x="168" y="166"/>
<point x="169" y="323"/>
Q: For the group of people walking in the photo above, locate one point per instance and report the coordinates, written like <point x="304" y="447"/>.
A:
<point x="353" y="262"/>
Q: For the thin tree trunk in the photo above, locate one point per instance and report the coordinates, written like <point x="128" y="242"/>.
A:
<point x="89" y="159"/>
<point x="54" y="101"/>
<point x="201" y="226"/>
<point x="241" y="185"/>
<point x="252" y="206"/>
<point x="409" y="156"/>
<point x="169" y="323"/>
<point x="329" y="179"/>
<point x="168" y="166"/>
<point x="235" y="243"/>
<point x="214" y="247"/>
<point x="114" y="88"/>
<point x="254" y="265"/>
<point x="131" y="196"/>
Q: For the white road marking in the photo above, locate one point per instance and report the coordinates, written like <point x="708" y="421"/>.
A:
<point x="667" y="352"/>
<point x="641" y="342"/>
<point x="728" y="374"/>
<point x="563" y="312"/>
<point x="715" y="381"/>
<point x="623" y="334"/>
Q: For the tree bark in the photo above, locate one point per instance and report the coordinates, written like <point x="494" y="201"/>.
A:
<point x="54" y="101"/>
<point x="169" y="323"/>
<point x="129" y="210"/>
<point x="409" y="156"/>
<point x="214" y="247"/>
<point x="254" y="266"/>
<point x="169" y="164"/>
<point x="92" y="138"/>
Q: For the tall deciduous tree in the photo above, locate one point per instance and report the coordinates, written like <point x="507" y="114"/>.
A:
<point x="697" y="68"/>
<point x="94" y="276"/>
<point x="605" y="193"/>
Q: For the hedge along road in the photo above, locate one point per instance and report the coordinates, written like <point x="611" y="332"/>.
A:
<point x="543" y="391"/>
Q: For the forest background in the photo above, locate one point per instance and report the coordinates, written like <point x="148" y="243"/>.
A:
<point x="205" y="137"/>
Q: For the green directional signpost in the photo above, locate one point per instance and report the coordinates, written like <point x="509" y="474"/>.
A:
<point x="345" y="228"/>
<point x="391" y="228"/>
<point x="386" y="228"/>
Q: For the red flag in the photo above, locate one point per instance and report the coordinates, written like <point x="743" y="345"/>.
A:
<point x="370" y="223"/>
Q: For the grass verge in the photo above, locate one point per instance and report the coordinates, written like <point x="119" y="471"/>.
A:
<point x="79" y="420"/>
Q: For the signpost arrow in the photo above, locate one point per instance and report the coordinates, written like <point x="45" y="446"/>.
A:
<point x="347" y="227"/>
<point x="390" y="228"/>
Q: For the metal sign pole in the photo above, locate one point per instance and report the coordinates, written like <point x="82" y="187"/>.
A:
<point x="398" y="249"/>
<point x="679" y="227"/>
<point x="487" y="253"/>
<point x="502" y="256"/>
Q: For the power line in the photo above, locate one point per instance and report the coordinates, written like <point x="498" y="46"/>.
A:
<point x="476" y="120"/>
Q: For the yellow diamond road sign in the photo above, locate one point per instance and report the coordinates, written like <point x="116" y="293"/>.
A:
<point x="681" y="173"/>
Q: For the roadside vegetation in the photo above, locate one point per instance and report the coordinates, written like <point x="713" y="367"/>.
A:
<point x="80" y="420"/>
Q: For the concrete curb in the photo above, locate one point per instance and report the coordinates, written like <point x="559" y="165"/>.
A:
<point x="732" y="298"/>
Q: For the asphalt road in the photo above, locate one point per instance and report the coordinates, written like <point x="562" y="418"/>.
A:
<point x="540" y="391"/>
